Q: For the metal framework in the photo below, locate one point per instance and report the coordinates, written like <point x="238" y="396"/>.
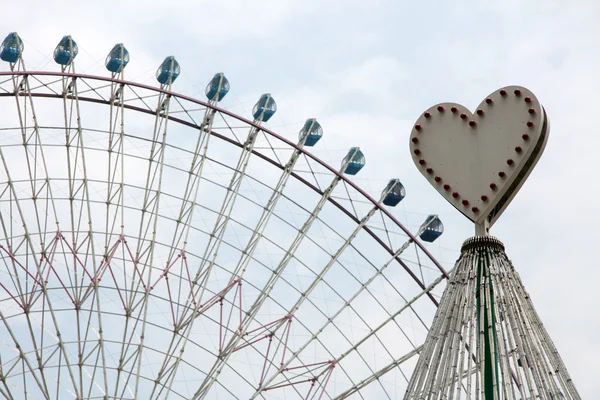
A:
<point x="487" y="341"/>
<point x="139" y="262"/>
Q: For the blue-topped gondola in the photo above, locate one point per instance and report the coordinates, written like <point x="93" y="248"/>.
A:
<point x="393" y="193"/>
<point x="264" y="108"/>
<point x="12" y="48"/>
<point x="168" y="71"/>
<point x="66" y="51"/>
<point x="218" y="87"/>
<point x="312" y="131"/>
<point x="434" y="229"/>
<point x="117" y="59"/>
<point x="354" y="161"/>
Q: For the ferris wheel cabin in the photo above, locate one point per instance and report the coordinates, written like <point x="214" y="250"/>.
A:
<point x="168" y="71"/>
<point x="312" y="131"/>
<point x="66" y="51"/>
<point x="433" y="229"/>
<point x="353" y="162"/>
<point x="12" y="48"/>
<point x="265" y="108"/>
<point x="393" y="193"/>
<point x="218" y="87"/>
<point x="117" y="59"/>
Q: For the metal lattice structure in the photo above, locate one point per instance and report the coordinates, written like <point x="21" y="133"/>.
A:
<point x="487" y="341"/>
<point x="155" y="245"/>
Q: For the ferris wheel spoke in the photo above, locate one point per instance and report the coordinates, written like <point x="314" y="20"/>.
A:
<point x="224" y="215"/>
<point x="113" y="226"/>
<point x="246" y="258"/>
<point x="163" y="282"/>
<point x="116" y="171"/>
<point x="80" y="215"/>
<point x="138" y="286"/>
<point x="38" y="172"/>
<point x="37" y="168"/>
<point x="377" y="375"/>
<point x="319" y="277"/>
<point x="21" y="341"/>
<point x="25" y="362"/>
<point x="289" y="255"/>
<point x="188" y="200"/>
<point x="216" y="237"/>
<point x="379" y="272"/>
<point x="169" y="366"/>
<point x="6" y="391"/>
<point x="357" y="343"/>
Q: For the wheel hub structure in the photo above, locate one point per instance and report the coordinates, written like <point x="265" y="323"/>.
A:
<point x="153" y="245"/>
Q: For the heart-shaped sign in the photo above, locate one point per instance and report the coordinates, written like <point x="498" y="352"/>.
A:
<point x="479" y="161"/>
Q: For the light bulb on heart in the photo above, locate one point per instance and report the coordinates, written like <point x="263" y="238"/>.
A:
<point x="479" y="161"/>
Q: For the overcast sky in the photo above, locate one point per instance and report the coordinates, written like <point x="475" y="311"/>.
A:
<point x="366" y="69"/>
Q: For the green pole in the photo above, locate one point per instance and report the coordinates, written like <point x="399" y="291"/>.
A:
<point x="490" y="350"/>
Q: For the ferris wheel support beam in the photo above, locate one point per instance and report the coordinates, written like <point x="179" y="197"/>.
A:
<point x="144" y="254"/>
<point x="80" y="191"/>
<point x="398" y="361"/>
<point x="241" y="119"/>
<point x="363" y="287"/>
<point x="365" y="382"/>
<point x="194" y="178"/>
<point x="216" y="236"/>
<point x="171" y="362"/>
<point x="23" y="288"/>
<point x="36" y="166"/>
<point x="212" y="249"/>
<point x="248" y="252"/>
<point x="215" y="240"/>
<point x="251" y="313"/>
<point x="116" y="167"/>
<point x="114" y="201"/>
<point x="79" y="198"/>
<point x="114" y="197"/>
<point x="295" y="175"/>
<point x="168" y="370"/>
<point x="253" y="152"/>
<point x="306" y="183"/>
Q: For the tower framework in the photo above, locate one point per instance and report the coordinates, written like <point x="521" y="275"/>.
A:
<point x="487" y="341"/>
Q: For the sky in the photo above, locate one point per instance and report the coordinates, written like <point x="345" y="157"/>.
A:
<point x="366" y="70"/>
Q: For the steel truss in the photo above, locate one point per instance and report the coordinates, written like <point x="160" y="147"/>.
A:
<point x="139" y="267"/>
<point x="486" y="311"/>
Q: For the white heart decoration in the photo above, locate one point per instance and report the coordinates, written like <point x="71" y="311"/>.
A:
<point x="478" y="162"/>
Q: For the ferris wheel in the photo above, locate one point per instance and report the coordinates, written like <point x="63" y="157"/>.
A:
<point x="156" y="245"/>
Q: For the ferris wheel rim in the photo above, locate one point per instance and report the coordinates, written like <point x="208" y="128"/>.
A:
<point x="274" y="160"/>
<point x="253" y="124"/>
